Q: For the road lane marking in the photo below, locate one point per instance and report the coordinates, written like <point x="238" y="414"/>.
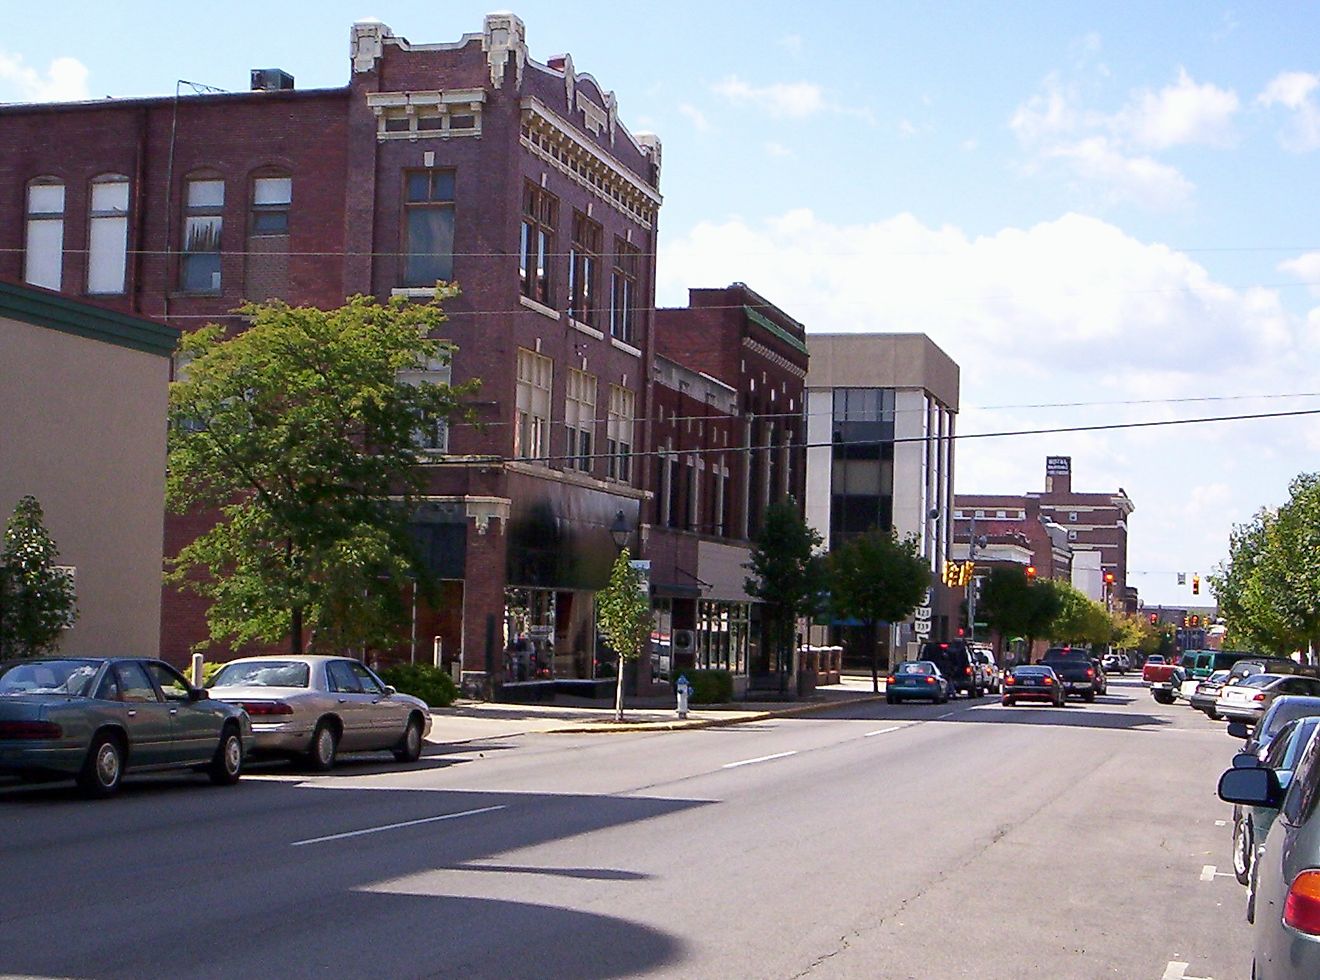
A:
<point x="1221" y="823"/>
<point x="883" y="731"/>
<point x="396" y="826"/>
<point x="763" y="758"/>
<point x="1177" y="970"/>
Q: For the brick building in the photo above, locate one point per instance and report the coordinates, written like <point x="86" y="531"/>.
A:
<point x="1092" y="526"/>
<point x="464" y="161"/>
<point x="727" y="435"/>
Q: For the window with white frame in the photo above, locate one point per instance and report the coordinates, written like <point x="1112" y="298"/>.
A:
<point x="432" y="432"/>
<point x="43" y="256"/>
<point x="107" y="235"/>
<point x="428" y="227"/>
<point x="580" y="418"/>
<point x="531" y="437"/>
<point x="271" y="199"/>
<point x="619" y="433"/>
<point x="203" y="220"/>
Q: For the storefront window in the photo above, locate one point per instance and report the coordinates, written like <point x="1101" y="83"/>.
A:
<point x="722" y="633"/>
<point x="662" y="634"/>
<point x="548" y="634"/>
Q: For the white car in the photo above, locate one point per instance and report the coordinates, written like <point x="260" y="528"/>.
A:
<point x="316" y="707"/>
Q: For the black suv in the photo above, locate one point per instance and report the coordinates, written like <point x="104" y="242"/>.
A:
<point x="955" y="662"/>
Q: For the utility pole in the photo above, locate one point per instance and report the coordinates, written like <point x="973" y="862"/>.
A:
<point x="974" y="544"/>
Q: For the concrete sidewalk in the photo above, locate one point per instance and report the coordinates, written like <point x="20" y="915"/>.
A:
<point x="471" y="721"/>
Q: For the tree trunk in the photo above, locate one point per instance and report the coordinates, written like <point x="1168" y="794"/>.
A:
<point x="296" y="631"/>
<point x="873" y="638"/>
<point x="618" y="691"/>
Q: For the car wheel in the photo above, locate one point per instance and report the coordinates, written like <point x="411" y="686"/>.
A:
<point x="890" y="699"/>
<point x="1007" y="702"/>
<point x="1162" y="697"/>
<point x="1089" y="697"/>
<point x="325" y="745"/>
<point x="227" y="766"/>
<point x="103" y="769"/>
<point x="1242" y="847"/>
<point x="410" y="748"/>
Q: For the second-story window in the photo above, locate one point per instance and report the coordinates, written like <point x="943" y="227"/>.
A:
<point x="107" y="235"/>
<point x="43" y="254"/>
<point x="271" y="198"/>
<point x="537" y="248"/>
<point x="431" y="432"/>
<point x="580" y="418"/>
<point x="203" y="210"/>
<point x="268" y="238"/>
<point x="583" y="269"/>
<point x="619" y="434"/>
<point x="428" y="227"/>
<point x="531" y="435"/>
<point x="623" y="291"/>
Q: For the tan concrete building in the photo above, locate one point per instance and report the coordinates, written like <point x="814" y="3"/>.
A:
<point x="82" y="428"/>
<point x="881" y="414"/>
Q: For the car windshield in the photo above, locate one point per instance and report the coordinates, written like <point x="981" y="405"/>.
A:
<point x="916" y="667"/>
<point x="1218" y="677"/>
<point x="1155" y="658"/>
<point x="71" y="677"/>
<point x="1259" y="680"/>
<point x="1067" y="656"/>
<point x="1283" y="711"/>
<point x="1030" y="672"/>
<point x="263" y="673"/>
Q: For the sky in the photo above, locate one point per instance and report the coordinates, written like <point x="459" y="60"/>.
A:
<point x="1104" y="213"/>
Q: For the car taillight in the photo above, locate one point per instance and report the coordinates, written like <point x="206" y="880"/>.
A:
<point x="930" y="680"/>
<point x="1090" y="671"/>
<point x="30" y="729"/>
<point x="891" y="679"/>
<point x="967" y="670"/>
<point x="255" y="708"/>
<point x="1010" y="679"/>
<point x="1049" y="680"/>
<point x="1302" y="910"/>
<point x="1259" y="697"/>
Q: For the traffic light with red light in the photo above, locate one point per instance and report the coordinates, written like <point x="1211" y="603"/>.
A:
<point x="1154" y="618"/>
<point x="1196" y="584"/>
<point x="1109" y="578"/>
<point x="1031" y="573"/>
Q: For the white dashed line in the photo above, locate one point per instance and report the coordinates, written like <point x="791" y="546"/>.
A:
<point x="883" y="731"/>
<point x="763" y="758"/>
<point x="396" y="826"/>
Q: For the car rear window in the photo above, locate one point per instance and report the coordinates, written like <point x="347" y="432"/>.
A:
<point x="915" y="668"/>
<point x="263" y="673"/>
<point x="1259" y="680"/>
<point x="71" y="677"/>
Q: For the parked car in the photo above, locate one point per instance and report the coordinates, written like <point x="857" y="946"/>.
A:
<point x="1248" y="699"/>
<point x="1032" y="682"/>
<point x="1284" y="906"/>
<point x="1196" y="665"/>
<point x="984" y="659"/>
<point x="96" y="718"/>
<point x="1074" y="668"/>
<point x="1117" y="662"/>
<point x="1101" y="681"/>
<point x="1206" y="693"/>
<point x="919" y="679"/>
<point x="1282" y="711"/>
<point x="1271" y="665"/>
<point x="316" y="707"/>
<point x="1251" y="824"/>
<point x="954" y="659"/>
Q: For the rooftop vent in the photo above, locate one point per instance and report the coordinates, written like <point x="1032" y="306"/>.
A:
<point x="271" y="80"/>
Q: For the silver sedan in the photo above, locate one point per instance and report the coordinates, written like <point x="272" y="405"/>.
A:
<point x="316" y="707"/>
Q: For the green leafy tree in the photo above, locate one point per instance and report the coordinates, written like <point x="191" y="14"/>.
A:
<point x="876" y="578"/>
<point x="1080" y="620"/>
<point x="788" y="576"/>
<point x="301" y="432"/>
<point x="623" y="611"/>
<point x="1015" y="605"/>
<point x="37" y="599"/>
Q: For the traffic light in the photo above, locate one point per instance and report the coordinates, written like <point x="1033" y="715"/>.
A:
<point x="1109" y="578"/>
<point x="1186" y="621"/>
<point x="950" y="575"/>
<point x="1196" y="621"/>
<point x="1154" y="619"/>
<point x="1031" y="573"/>
<point x="1196" y="584"/>
<point x="967" y="572"/>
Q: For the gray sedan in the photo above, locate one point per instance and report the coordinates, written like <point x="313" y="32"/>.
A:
<point x="316" y="707"/>
<point x="96" y="718"/>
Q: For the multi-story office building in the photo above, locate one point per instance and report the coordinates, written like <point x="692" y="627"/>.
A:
<point x="881" y="418"/>
<point x="465" y="161"/>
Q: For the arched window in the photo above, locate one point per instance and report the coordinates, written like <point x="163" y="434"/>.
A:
<point x="43" y="257"/>
<point x="203" y="220"/>
<point x="107" y="234"/>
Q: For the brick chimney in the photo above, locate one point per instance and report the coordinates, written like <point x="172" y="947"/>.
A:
<point x="1058" y="474"/>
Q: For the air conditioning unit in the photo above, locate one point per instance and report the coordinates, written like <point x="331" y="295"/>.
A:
<point x="271" y="80"/>
<point x="685" y="641"/>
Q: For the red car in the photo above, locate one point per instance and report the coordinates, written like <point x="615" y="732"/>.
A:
<point x="1033" y="682"/>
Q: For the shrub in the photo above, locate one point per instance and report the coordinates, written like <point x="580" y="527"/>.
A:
<point x="709" y="686"/>
<point x="425" y="681"/>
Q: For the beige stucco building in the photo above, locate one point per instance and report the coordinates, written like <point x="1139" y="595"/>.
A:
<point x="82" y="428"/>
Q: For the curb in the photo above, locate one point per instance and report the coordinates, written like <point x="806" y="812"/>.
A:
<point x="608" y="728"/>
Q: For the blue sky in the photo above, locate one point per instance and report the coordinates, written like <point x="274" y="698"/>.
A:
<point x="1112" y="204"/>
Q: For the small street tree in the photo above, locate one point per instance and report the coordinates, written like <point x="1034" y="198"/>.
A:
<point x="876" y="578"/>
<point x="1015" y="605"/>
<point x="37" y="598"/>
<point x="1080" y="619"/>
<point x="301" y="432"/>
<point x="623" y="610"/>
<point x="787" y="576"/>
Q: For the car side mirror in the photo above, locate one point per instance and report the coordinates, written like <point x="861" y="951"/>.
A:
<point x="198" y="694"/>
<point x="1246" y="760"/>
<point x="1257" y="786"/>
<point x="1238" y="729"/>
<point x="390" y="691"/>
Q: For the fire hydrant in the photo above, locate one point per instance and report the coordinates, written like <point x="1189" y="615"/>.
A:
<point x="683" y="689"/>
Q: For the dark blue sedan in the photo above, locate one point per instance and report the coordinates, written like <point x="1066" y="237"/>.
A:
<point x="1033" y="682"/>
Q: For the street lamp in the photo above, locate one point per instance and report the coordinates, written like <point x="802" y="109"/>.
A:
<point x="620" y="531"/>
<point x="974" y="544"/>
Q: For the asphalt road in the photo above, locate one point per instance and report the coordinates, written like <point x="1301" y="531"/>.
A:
<point x="962" y="840"/>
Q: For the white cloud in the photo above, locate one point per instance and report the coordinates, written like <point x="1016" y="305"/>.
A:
<point x="1179" y="114"/>
<point x="793" y="100"/>
<point x="1139" y="179"/>
<point x="64" y="80"/>
<point x="696" y="116"/>
<point x="1295" y="91"/>
<point x="1068" y="310"/>
<point x="1307" y="270"/>
<point x="775" y="149"/>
